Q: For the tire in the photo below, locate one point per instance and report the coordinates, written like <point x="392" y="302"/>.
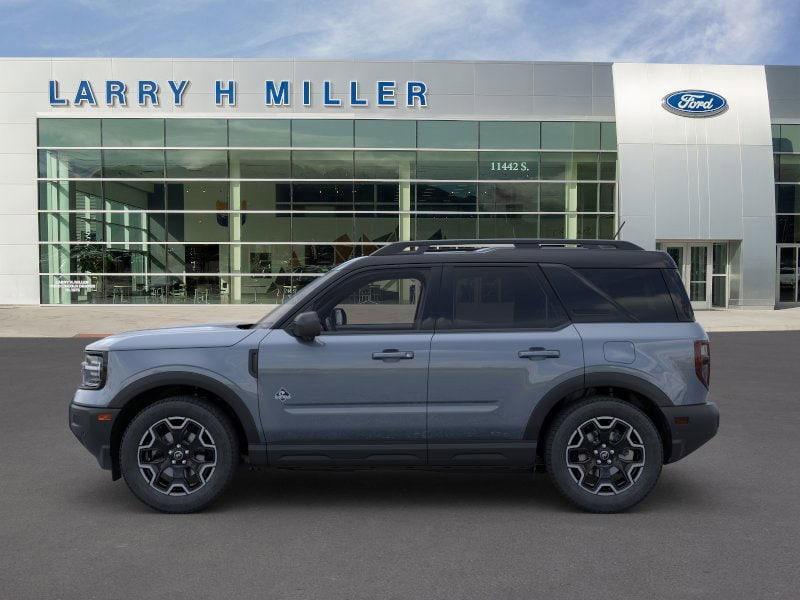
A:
<point x="179" y="454"/>
<point x="603" y="454"/>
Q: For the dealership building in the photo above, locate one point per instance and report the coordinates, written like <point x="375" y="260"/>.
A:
<point x="167" y="181"/>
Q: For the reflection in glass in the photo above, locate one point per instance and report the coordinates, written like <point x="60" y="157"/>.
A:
<point x="447" y="134"/>
<point x="322" y="227"/>
<point x="606" y="197"/>
<point x="508" y="226"/>
<point x="381" y="196"/>
<point x="447" y="165"/>
<point x="322" y="133"/>
<point x="133" y="132"/>
<point x="552" y="197"/>
<point x="322" y="196"/>
<point x="260" y="164"/>
<point x="197" y="164"/>
<point x="587" y="197"/>
<point x="63" y="164"/>
<point x="445" y="227"/>
<point x="65" y="133"/>
<point x="556" y="165"/>
<point x="508" y="197"/>
<point x="789" y="168"/>
<point x="585" y="166"/>
<point x="552" y="226"/>
<point x="322" y="164"/>
<point x="197" y="133"/>
<point x="259" y="133"/>
<point x="446" y="197"/>
<point x="132" y="164"/>
<point x="384" y="133"/>
<point x="608" y="136"/>
<point x="377" y="227"/>
<point x="385" y="164"/>
<point x="509" y="134"/>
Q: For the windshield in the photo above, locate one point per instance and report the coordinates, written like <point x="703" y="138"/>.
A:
<point x="300" y="296"/>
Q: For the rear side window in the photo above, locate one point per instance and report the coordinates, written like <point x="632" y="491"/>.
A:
<point x="613" y="295"/>
<point x="641" y="292"/>
<point x="584" y="301"/>
<point x="499" y="298"/>
<point x="679" y="298"/>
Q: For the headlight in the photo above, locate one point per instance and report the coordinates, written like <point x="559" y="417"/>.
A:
<point x="93" y="371"/>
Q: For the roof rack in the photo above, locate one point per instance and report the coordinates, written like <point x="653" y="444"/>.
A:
<point x="419" y="247"/>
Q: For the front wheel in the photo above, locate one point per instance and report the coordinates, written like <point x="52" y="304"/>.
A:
<point x="604" y="454"/>
<point x="179" y="454"/>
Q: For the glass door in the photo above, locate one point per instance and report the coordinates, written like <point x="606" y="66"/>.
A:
<point x="787" y="275"/>
<point x="694" y="261"/>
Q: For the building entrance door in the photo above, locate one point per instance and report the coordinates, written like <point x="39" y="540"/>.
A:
<point x="788" y="274"/>
<point x="703" y="269"/>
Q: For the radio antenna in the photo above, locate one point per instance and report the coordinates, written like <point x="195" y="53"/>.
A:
<point x="616" y="235"/>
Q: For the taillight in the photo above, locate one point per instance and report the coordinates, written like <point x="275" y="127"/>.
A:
<point x="702" y="361"/>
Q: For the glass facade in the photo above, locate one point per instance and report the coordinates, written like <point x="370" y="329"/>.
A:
<point x="786" y="148"/>
<point x="248" y="210"/>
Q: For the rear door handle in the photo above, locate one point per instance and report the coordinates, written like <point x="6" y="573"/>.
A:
<point x="538" y="354"/>
<point x="393" y="355"/>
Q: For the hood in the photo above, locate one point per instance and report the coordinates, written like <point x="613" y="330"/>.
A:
<point x="215" y="335"/>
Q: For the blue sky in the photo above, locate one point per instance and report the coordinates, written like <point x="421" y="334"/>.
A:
<point x="712" y="31"/>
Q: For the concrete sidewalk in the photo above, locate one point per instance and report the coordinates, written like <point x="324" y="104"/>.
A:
<point x="96" y="321"/>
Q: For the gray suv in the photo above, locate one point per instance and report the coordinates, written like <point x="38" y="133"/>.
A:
<point x="578" y="357"/>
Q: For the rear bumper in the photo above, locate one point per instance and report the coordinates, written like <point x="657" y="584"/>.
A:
<point x="690" y="427"/>
<point x="94" y="431"/>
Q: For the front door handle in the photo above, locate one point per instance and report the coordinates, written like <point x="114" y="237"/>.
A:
<point x="393" y="354"/>
<point x="538" y="354"/>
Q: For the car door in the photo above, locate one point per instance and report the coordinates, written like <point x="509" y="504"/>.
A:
<point x="357" y="393"/>
<point x="502" y="342"/>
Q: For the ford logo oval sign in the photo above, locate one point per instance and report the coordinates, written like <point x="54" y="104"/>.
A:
<point x="695" y="103"/>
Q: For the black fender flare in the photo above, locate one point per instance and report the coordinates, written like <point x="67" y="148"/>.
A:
<point x="581" y="383"/>
<point x="198" y="380"/>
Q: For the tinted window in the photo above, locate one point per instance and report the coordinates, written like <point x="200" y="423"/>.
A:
<point x="258" y="132"/>
<point x="500" y="298"/>
<point x="385" y="134"/>
<point x="69" y="132"/>
<point x="133" y="132"/>
<point x="585" y="302"/>
<point x="613" y="294"/>
<point x="642" y="292"/>
<point x="679" y="298"/>
<point x="197" y="132"/>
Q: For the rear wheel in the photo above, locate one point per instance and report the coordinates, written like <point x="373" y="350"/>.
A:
<point x="604" y="454"/>
<point x="179" y="454"/>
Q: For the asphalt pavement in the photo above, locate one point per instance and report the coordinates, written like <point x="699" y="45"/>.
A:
<point x="722" y="523"/>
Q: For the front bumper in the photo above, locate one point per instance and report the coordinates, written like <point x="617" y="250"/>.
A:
<point x="690" y="426"/>
<point x="92" y="426"/>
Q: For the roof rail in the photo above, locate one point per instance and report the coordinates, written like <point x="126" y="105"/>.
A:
<point x="419" y="247"/>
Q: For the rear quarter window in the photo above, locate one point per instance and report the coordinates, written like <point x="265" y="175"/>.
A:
<point x="641" y="292"/>
<point x="613" y="295"/>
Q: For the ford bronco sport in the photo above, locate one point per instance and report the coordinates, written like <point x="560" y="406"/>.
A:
<point x="581" y="357"/>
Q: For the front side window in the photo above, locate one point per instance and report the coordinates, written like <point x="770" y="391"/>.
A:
<point x="499" y="298"/>
<point x="378" y="301"/>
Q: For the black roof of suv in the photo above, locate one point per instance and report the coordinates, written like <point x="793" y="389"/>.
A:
<point x="574" y="253"/>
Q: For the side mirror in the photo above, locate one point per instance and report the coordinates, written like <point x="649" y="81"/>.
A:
<point x="339" y="316"/>
<point x="306" y="326"/>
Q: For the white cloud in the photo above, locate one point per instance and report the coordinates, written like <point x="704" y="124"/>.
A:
<point x="712" y="31"/>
